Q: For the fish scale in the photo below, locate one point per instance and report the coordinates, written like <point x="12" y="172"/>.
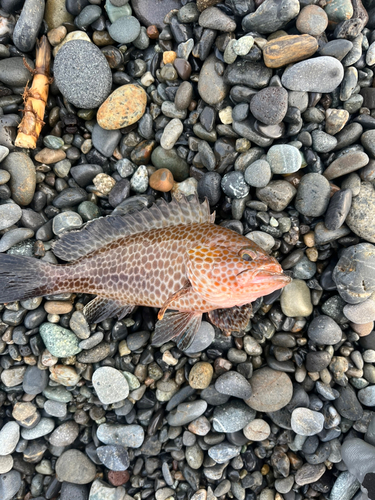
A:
<point x="171" y="256"/>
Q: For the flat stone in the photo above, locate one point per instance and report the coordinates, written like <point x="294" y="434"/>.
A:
<point x="204" y="338"/>
<point x="232" y="416"/>
<point x="125" y="29"/>
<point x="10" y="483"/>
<point x="57" y="13"/>
<point x="312" y="20"/>
<point x="362" y="313"/>
<point x="129" y="436"/>
<point x="252" y="74"/>
<point x="75" y="467"/>
<point x="313" y="195"/>
<point x="270" y="105"/>
<point x="114" y="457"/>
<point x="271" y="15"/>
<point x="296" y="300"/>
<point x="272" y="390"/>
<point x="28" y="24"/>
<point x="42" y="428"/>
<point x="6" y="463"/>
<point x="345" y="164"/>
<point x="9" y="437"/>
<point x="14" y="73"/>
<point x="306" y="422"/>
<point x="284" y="159"/>
<point x="13" y="376"/>
<point x="223" y="452"/>
<point x="233" y="384"/>
<point x="10" y="213"/>
<point x="110" y="385"/>
<point x="347" y="404"/>
<point x="22" y="177"/>
<point x="65" y="434"/>
<point x="186" y="413"/>
<point x="60" y="341"/>
<point x="75" y="64"/>
<point x="35" y="380"/>
<point x="257" y="430"/>
<point x="321" y="74"/>
<point x="361" y="216"/>
<point x="308" y="474"/>
<point x="277" y="194"/>
<point x="153" y="12"/>
<point x="105" y="141"/>
<point x="211" y="86"/>
<point x="258" y="174"/>
<point x="338" y="209"/>
<point x="215" y="19"/>
<point x="288" y="49"/>
<point x="324" y="331"/>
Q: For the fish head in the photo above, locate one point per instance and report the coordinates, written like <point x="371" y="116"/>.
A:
<point x="228" y="277"/>
<point x="260" y="275"/>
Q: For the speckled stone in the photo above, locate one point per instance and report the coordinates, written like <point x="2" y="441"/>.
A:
<point x="75" y="64"/>
<point x="75" y="467"/>
<point x="232" y="416"/>
<point x="270" y="105"/>
<point x="110" y="385"/>
<point x="131" y="436"/>
<point x="272" y="390"/>
<point x="60" y="342"/>
<point x="284" y="159"/>
<point x="361" y="216"/>
<point x="321" y="74"/>
<point x="125" y="106"/>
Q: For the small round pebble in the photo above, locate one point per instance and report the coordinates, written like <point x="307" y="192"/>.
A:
<point x="306" y="422"/>
<point x="324" y="330"/>
<point x="284" y="159"/>
<point x="257" y="430"/>
<point x="125" y="29"/>
<point x="201" y="375"/>
<point x="258" y="174"/>
<point x="110" y="385"/>
<point x="312" y="20"/>
<point x="272" y="390"/>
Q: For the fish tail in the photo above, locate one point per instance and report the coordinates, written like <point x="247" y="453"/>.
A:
<point x="24" y="278"/>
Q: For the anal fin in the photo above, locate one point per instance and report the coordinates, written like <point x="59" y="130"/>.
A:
<point x="180" y="327"/>
<point x="231" y="319"/>
<point x="101" y="308"/>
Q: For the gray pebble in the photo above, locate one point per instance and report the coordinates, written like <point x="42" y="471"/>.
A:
<point x="232" y="416"/>
<point x="321" y="74"/>
<point x="114" y="457"/>
<point x="233" y="384"/>
<point x="105" y="141"/>
<point x="75" y="63"/>
<point x="110" y="385"/>
<point x="324" y="330"/>
<point x="223" y="452"/>
<point x="28" y="25"/>
<point x="125" y="30"/>
<point x="131" y="436"/>
<point x="313" y="195"/>
<point x="258" y="174"/>
<point x="284" y="159"/>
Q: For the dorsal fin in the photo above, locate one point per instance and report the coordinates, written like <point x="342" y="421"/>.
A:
<point x="76" y="244"/>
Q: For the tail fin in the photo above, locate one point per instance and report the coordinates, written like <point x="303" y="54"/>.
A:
<point x="23" y="278"/>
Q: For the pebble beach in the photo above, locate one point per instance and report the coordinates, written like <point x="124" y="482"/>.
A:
<point x="266" y="108"/>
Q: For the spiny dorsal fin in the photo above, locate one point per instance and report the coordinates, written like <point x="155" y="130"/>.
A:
<point x="76" y="244"/>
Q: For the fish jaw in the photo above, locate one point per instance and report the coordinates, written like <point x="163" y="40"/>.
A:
<point x="252" y="285"/>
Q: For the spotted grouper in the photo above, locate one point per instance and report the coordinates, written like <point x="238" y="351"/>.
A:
<point x="170" y="256"/>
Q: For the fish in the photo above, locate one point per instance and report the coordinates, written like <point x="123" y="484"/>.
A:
<point x="171" y="256"/>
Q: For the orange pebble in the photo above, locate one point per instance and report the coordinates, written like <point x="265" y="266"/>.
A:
<point x="162" y="180"/>
<point x="152" y="32"/>
<point x="169" y="56"/>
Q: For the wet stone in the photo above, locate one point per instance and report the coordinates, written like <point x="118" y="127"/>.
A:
<point x="258" y="174"/>
<point x="35" y="380"/>
<point x="296" y="299"/>
<point x="354" y="274"/>
<point x="9" y="436"/>
<point x="28" y="25"/>
<point x="10" y="483"/>
<point x="324" y="331"/>
<point x="288" y="49"/>
<point x="125" y="106"/>
<point x="232" y="416"/>
<point x="60" y="341"/>
<point x="313" y="195"/>
<point x="271" y="16"/>
<point x="284" y="159"/>
<point x="234" y="384"/>
<point x="22" y="177"/>
<point x="13" y="71"/>
<point x="254" y="75"/>
<point x="131" y="436"/>
<point x="223" y="452"/>
<point x="347" y="404"/>
<point x="233" y="184"/>
<point x="277" y="194"/>
<point x="114" y="457"/>
<point x="361" y="219"/>
<point x="338" y="209"/>
<point x="186" y="413"/>
<point x="43" y="427"/>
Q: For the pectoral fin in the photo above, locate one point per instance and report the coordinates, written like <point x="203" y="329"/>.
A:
<point x="101" y="308"/>
<point x="180" y="327"/>
<point x="169" y="303"/>
<point x="232" y="319"/>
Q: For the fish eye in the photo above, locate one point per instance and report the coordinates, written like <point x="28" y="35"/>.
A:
<point x="247" y="254"/>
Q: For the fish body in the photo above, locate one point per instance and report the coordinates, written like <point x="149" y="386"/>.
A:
<point x="171" y="256"/>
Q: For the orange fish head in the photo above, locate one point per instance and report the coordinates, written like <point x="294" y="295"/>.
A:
<point x="261" y="275"/>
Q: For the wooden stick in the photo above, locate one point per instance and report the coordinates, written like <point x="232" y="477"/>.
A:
<point x="35" y="98"/>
